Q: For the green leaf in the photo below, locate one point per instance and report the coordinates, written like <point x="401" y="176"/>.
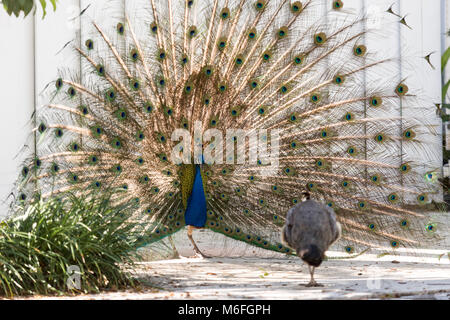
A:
<point x="11" y="7"/>
<point x="16" y="9"/>
<point x="27" y="7"/>
<point x="53" y="2"/>
<point x="445" y="90"/>
<point x="17" y="6"/>
<point x="7" y="6"/>
<point x="44" y="5"/>
<point x="445" y="58"/>
<point x="383" y="254"/>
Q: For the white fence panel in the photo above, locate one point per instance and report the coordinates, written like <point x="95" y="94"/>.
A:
<point x="16" y="95"/>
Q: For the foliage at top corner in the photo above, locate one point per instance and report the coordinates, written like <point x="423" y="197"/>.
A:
<point x="25" y="6"/>
<point x="444" y="61"/>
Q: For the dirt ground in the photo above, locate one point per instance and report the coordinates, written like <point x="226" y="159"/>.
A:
<point x="369" y="276"/>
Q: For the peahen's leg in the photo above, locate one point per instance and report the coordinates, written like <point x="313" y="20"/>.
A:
<point x="196" y="249"/>
<point x="312" y="282"/>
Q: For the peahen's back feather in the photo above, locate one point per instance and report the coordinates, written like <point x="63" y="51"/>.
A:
<point x="295" y="67"/>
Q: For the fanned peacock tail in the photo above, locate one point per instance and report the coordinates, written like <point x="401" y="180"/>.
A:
<point x="266" y="67"/>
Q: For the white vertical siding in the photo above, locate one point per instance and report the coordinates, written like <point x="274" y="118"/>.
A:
<point x="421" y="38"/>
<point x="16" y="95"/>
<point x="445" y="27"/>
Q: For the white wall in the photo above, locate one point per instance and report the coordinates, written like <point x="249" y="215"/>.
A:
<point x="16" y="94"/>
<point x="445" y="25"/>
<point x="29" y="60"/>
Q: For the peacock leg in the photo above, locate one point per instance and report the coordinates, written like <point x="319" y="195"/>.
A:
<point x="312" y="282"/>
<point x="175" y="254"/>
<point x="196" y="249"/>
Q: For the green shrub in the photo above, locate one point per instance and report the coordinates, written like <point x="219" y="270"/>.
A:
<point x="17" y="6"/>
<point x="38" y="246"/>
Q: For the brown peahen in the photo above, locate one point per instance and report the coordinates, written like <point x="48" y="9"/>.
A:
<point x="311" y="228"/>
<point x="283" y="97"/>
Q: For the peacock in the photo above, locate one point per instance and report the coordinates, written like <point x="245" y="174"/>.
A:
<point x="221" y="114"/>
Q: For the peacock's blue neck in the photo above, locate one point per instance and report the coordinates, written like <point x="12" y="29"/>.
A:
<point x="195" y="214"/>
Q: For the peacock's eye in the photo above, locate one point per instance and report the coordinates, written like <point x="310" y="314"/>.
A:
<point x="260" y="5"/>
<point x="59" y="83"/>
<point x="89" y="44"/>
<point x="71" y="91"/>
<point x="120" y="28"/>
<point x="360" y="50"/>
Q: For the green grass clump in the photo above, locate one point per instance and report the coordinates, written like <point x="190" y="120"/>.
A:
<point x="41" y="242"/>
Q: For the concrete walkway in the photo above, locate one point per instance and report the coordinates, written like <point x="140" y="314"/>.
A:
<point x="246" y="278"/>
<point x="366" y="277"/>
<point x="245" y="272"/>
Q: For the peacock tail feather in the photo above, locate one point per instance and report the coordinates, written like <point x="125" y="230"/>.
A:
<point x="291" y="74"/>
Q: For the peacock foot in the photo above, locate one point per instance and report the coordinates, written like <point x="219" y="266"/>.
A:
<point x="199" y="254"/>
<point x="313" y="284"/>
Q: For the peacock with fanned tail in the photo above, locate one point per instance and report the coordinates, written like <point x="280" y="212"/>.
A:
<point x="291" y="75"/>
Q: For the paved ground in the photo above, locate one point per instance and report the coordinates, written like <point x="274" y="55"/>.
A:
<point x="368" y="276"/>
<point x="259" y="278"/>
